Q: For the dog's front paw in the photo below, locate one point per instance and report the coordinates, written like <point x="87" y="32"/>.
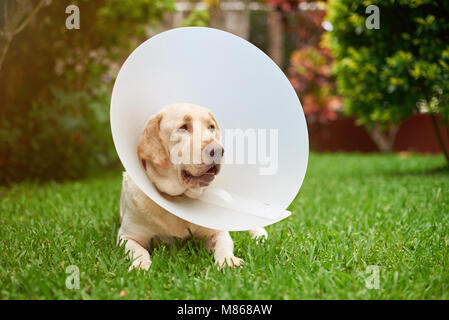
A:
<point x="229" y="261"/>
<point x="140" y="264"/>
<point x="259" y="234"/>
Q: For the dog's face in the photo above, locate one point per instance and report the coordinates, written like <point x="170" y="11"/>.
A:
<point x="181" y="150"/>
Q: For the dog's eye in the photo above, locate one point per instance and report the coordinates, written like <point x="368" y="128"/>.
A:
<point x="183" y="127"/>
<point x="211" y="127"/>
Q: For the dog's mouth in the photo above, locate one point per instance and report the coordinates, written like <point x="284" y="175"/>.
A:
<point x="203" y="179"/>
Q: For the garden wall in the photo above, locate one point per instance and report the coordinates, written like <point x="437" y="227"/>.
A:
<point x="416" y="134"/>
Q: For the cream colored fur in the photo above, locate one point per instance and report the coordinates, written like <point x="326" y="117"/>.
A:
<point x="142" y="220"/>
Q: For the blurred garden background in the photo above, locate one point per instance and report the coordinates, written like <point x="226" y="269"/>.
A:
<point x="376" y="99"/>
<point x="363" y="90"/>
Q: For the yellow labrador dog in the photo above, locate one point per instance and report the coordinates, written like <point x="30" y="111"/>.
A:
<point x="167" y="135"/>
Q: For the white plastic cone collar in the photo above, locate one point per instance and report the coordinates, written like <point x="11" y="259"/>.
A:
<point x="244" y="89"/>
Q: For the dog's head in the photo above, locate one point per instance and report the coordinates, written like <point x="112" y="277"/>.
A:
<point x="180" y="149"/>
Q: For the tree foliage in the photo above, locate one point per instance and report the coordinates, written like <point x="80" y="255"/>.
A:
<point x="55" y="86"/>
<point x="387" y="74"/>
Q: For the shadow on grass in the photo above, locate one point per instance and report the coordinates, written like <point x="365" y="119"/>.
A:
<point x="42" y="181"/>
<point x="437" y="171"/>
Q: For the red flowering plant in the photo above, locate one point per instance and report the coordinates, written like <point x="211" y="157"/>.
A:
<point x="310" y="74"/>
<point x="309" y="68"/>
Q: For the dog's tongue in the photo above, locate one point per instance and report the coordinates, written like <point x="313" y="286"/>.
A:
<point x="206" y="177"/>
<point x="211" y="171"/>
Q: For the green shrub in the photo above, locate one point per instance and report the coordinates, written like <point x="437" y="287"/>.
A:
<point x="55" y="86"/>
<point x="402" y="68"/>
<point x="387" y="74"/>
<point x="67" y="136"/>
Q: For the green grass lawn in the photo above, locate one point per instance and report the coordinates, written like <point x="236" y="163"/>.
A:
<point x="353" y="211"/>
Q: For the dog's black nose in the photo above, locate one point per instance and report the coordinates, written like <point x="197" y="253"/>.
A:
<point x="219" y="150"/>
<point x="213" y="152"/>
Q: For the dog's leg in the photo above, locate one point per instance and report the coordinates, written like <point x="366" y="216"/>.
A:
<point x="139" y="256"/>
<point x="223" y="247"/>
<point x="259" y="234"/>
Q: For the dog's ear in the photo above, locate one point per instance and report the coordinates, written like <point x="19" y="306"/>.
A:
<point x="151" y="146"/>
